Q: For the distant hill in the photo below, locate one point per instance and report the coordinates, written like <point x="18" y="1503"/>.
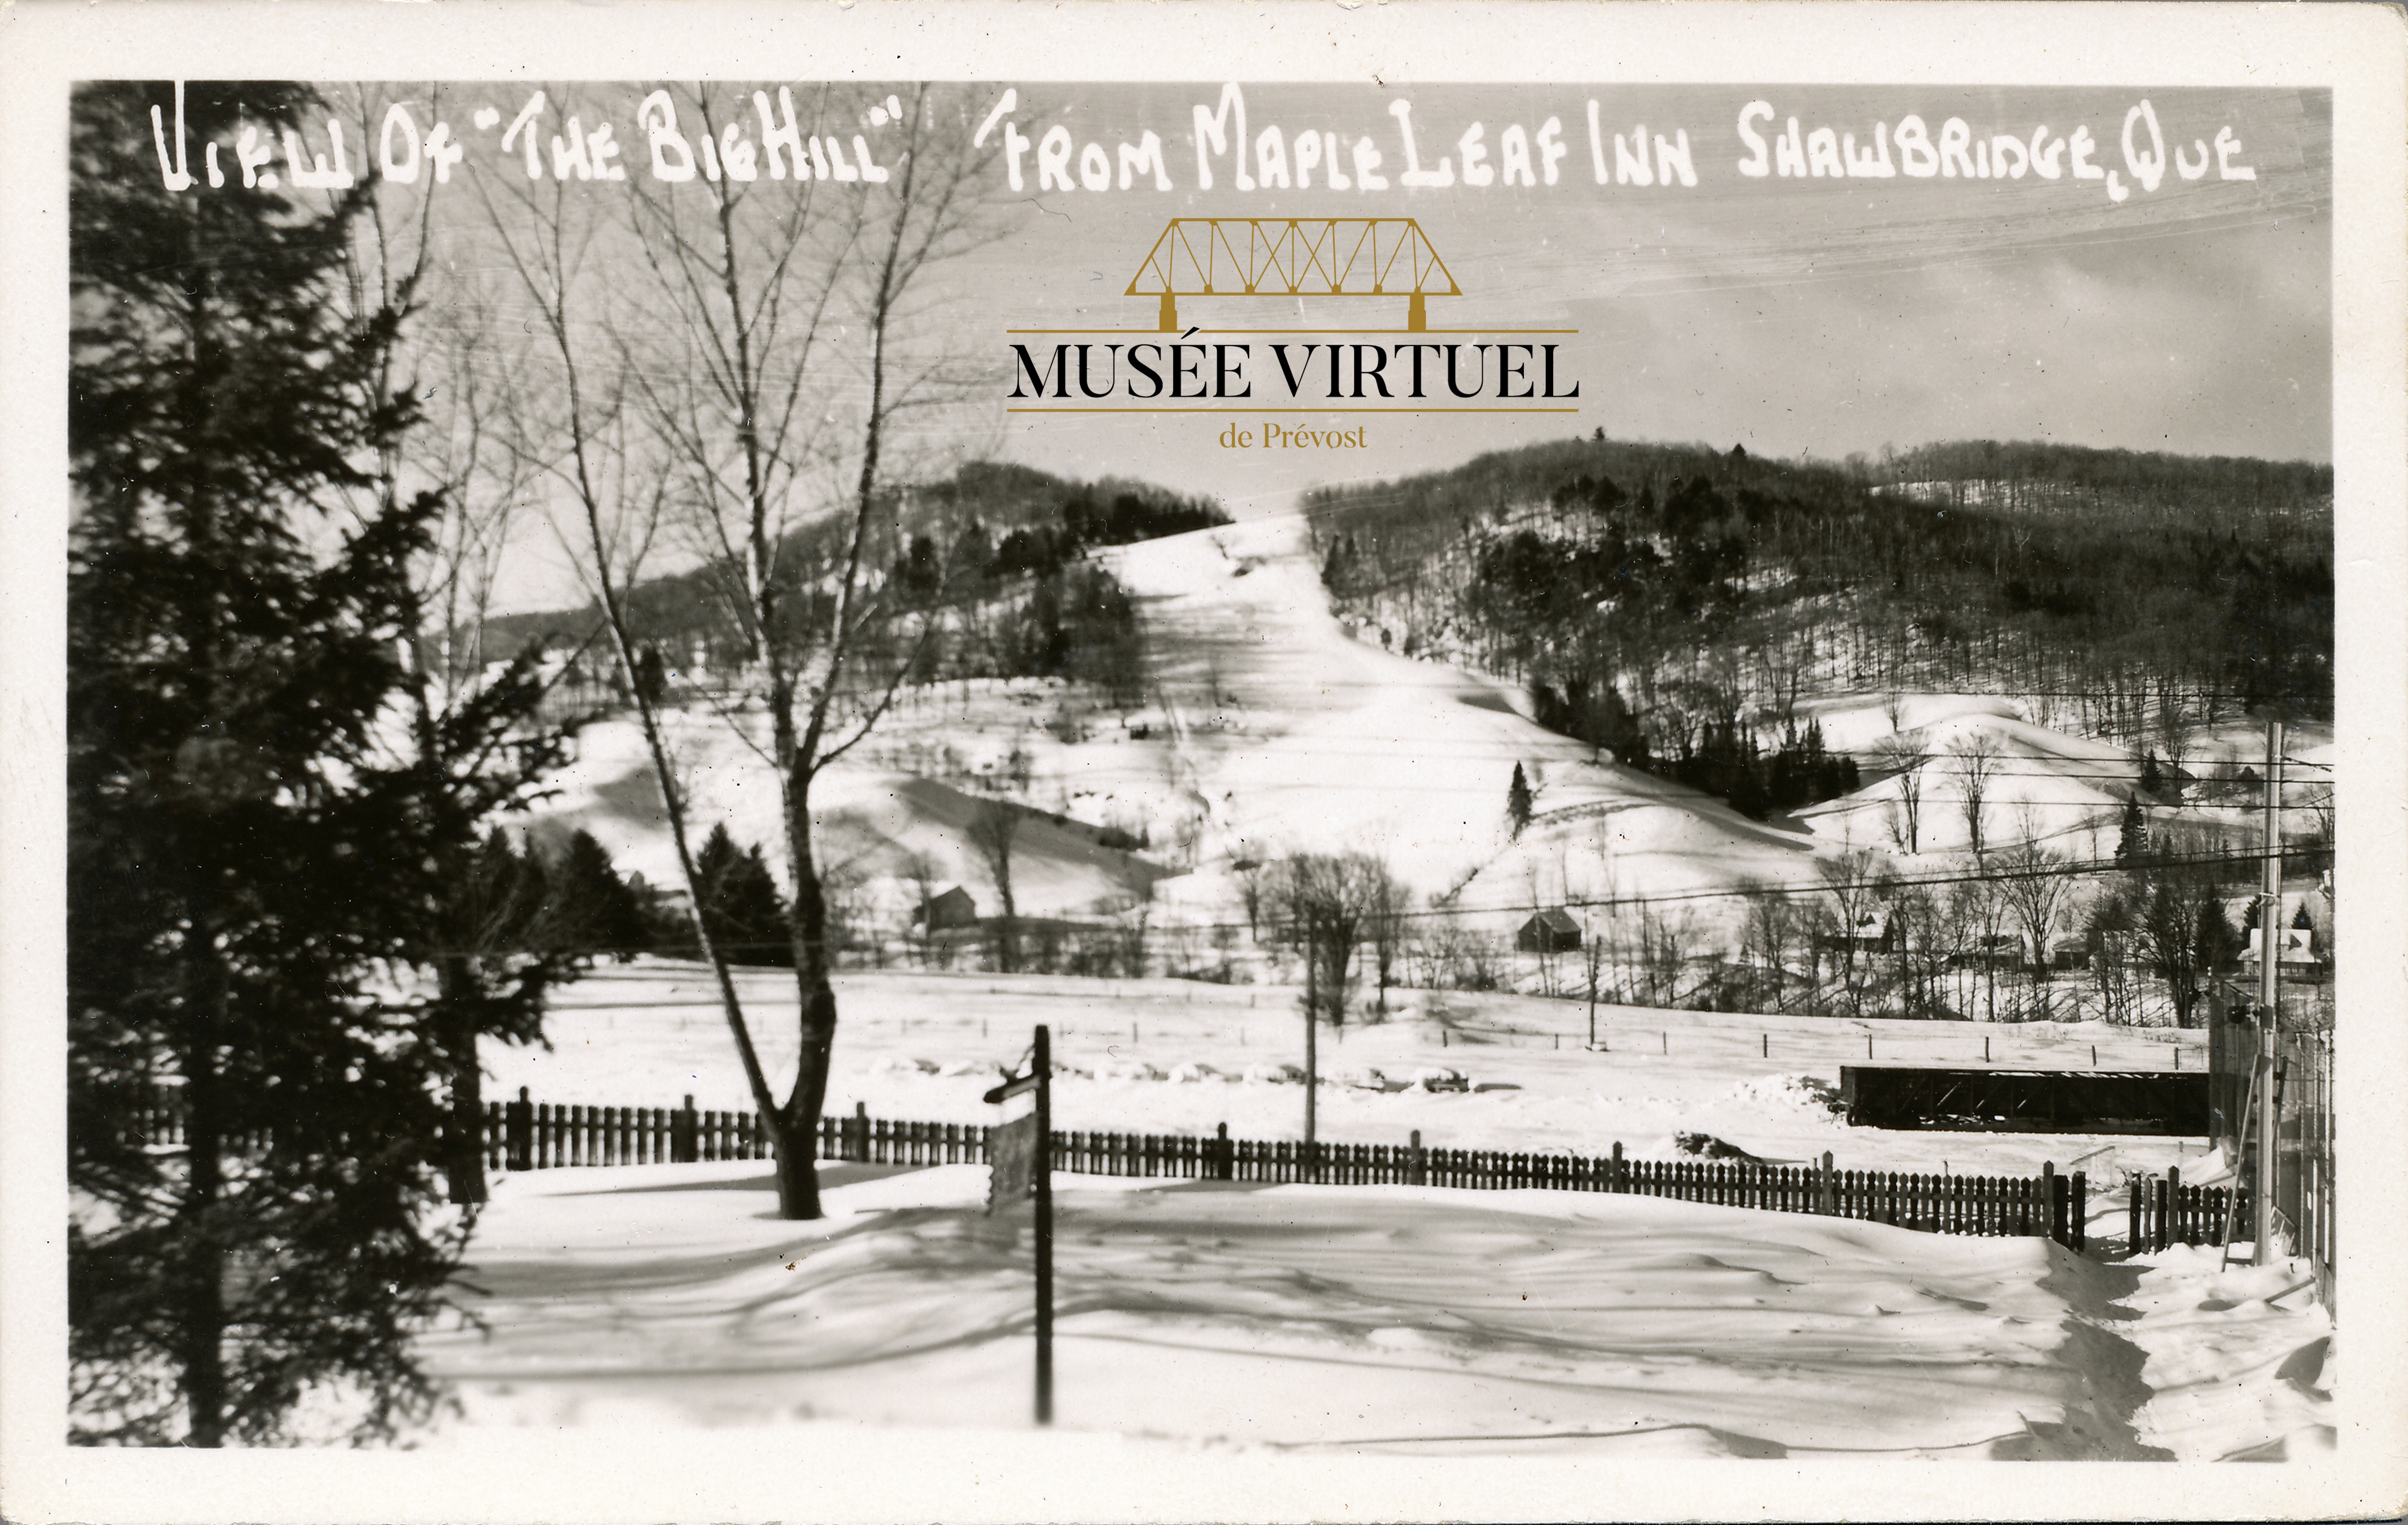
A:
<point x="1656" y="597"/>
<point x="1022" y="522"/>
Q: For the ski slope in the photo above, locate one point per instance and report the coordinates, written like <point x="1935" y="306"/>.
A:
<point x="1269" y="729"/>
<point x="1317" y="740"/>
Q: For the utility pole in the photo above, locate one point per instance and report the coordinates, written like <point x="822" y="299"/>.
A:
<point x="1312" y="1023"/>
<point x="2269" y="951"/>
<point x="1044" y="1193"/>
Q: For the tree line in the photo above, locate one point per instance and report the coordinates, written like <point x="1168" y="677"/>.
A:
<point x="1706" y="587"/>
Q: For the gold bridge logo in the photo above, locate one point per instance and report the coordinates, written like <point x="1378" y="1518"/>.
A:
<point x="1294" y="257"/>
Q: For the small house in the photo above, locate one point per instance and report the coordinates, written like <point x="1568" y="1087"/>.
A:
<point x="1870" y="934"/>
<point x="951" y="908"/>
<point x="1998" y="951"/>
<point x="2069" y="953"/>
<point x="1551" y="930"/>
<point x="2297" y="946"/>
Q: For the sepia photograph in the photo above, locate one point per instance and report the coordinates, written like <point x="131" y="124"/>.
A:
<point x="1198" y="785"/>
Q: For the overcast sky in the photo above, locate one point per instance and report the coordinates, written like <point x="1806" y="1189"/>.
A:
<point x="1814" y="315"/>
<point x="1791" y="315"/>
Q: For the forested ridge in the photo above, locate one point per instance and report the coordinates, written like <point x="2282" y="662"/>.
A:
<point x="994" y="556"/>
<point x="1667" y="599"/>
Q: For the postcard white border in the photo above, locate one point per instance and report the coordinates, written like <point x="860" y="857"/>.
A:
<point x="821" y="1473"/>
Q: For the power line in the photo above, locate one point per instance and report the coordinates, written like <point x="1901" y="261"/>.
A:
<point x="1877" y="885"/>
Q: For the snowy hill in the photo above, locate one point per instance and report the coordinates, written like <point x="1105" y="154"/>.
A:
<point x="1271" y="728"/>
<point x="1313" y="739"/>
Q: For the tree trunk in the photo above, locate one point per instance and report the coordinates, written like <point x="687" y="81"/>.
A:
<point x="465" y="1159"/>
<point x="202" y="1336"/>
<point x="798" y="1127"/>
<point x="1311" y="1052"/>
<point x="799" y="1180"/>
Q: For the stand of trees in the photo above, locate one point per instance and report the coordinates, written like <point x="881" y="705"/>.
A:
<point x="996" y="555"/>
<point x="278" y="913"/>
<point x="2135" y="589"/>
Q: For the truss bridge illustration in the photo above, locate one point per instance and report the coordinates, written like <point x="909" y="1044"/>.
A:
<point x="1294" y="257"/>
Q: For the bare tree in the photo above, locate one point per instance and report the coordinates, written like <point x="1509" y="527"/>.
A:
<point x="1325" y="899"/>
<point x="1905" y="755"/>
<point x="2173" y="899"/>
<point x="1772" y="933"/>
<point x="1920" y="939"/>
<point x="1978" y="908"/>
<point x="1852" y="883"/>
<point x="746" y="399"/>
<point x="2113" y="947"/>
<point x="921" y="873"/>
<point x="1975" y="761"/>
<point x="993" y="831"/>
<point x="2034" y="887"/>
<point x="1389" y="902"/>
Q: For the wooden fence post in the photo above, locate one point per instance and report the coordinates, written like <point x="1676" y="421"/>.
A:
<point x="857" y="1147"/>
<point x="518" y="1132"/>
<point x="2048" y="1198"/>
<point x="2132" y="1245"/>
<point x="1417" y="1169"/>
<point x="2174" y="1225"/>
<point x="682" y="1131"/>
<point x="1224" y="1160"/>
<point x="1617" y="1181"/>
<point x="2081" y="1211"/>
<point x="1827" y="1196"/>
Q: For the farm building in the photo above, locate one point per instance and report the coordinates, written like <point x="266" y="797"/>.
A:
<point x="949" y="908"/>
<point x="1551" y="930"/>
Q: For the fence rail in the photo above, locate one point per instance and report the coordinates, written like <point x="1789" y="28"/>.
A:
<point x="528" y="1135"/>
<point x="2164" y="1212"/>
<point x="2161" y="1211"/>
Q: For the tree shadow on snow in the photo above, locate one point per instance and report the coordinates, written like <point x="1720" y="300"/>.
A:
<point x="833" y="1173"/>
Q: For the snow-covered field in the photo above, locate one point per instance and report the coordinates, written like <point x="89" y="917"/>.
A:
<point x="1391" y="1319"/>
<point x="1400" y="1320"/>
<point x="1416" y="1326"/>
<point x="1176" y="1056"/>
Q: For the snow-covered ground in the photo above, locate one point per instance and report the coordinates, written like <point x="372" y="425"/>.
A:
<point x="1391" y="1319"/>
<point x="1175" y="1057"/>
<point x="1417" y="1324"/>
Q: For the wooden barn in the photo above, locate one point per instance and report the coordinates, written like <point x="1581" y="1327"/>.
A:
<point x="951" y="908"/>
<point x="1551" y="930"/>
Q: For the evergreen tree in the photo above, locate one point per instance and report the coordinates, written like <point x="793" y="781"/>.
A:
<point x="2131" y="833"/>
<point x="589" y="908"/>
<point x="493" y="971"/>
<point x="2153" y="778"/>
<point x="2219" y="946"/>
<point x="250" y="864"/>
<point x="1517" y="801"/>
<point x="741" y="908"/>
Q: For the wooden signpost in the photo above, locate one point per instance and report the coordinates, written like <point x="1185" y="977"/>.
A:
<point x="1023" y="1168"/>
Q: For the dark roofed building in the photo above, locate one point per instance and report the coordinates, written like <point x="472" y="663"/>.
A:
<point x="952" y="908"/>
<point x="1551" y="930"/>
